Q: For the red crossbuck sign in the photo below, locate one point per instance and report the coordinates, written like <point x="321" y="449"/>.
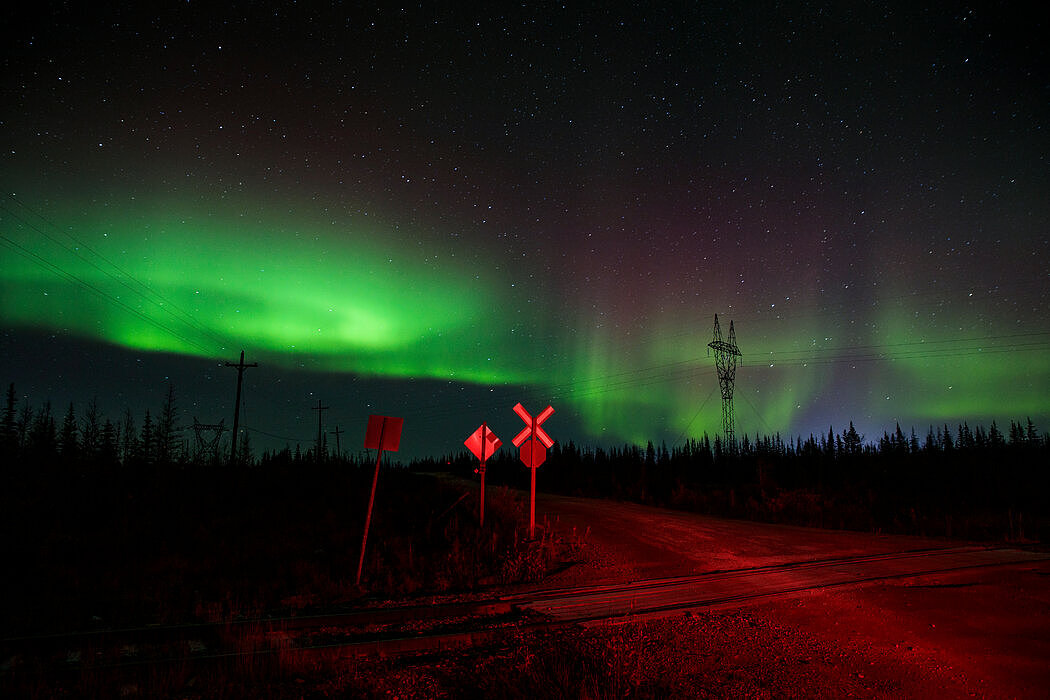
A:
<point x="533" y="441"/>
<point x="533" y="451"/>
<point x="533" y="428"/>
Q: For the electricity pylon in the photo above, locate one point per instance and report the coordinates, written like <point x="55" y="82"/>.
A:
<point x="208" y="444"/>
<point x="725" y="361"/>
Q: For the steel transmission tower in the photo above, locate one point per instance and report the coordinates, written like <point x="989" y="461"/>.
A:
<point x="725" y="361"/>
<point x="208" y="445"/>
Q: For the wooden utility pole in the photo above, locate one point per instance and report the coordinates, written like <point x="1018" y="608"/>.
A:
<point x="338" y="450"/>
<point x="237" y="403"/>
<point x="320" y="410"/>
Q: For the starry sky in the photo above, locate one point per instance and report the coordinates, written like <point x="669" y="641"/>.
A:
<point x="436" y="213"/>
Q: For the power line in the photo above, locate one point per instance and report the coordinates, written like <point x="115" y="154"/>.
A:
<point x="695" y="416"/>
<point x="633" y="379"/>
<point x="817" y="357"/>
<point x="124" y="278"/>
<point x="55" y="269"/>
<point x="691" y="369"/>
<point x="285" y="438"/>
<point x="975" y="339"/>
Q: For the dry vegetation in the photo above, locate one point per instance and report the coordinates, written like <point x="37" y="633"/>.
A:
<point x="191" y="544"/>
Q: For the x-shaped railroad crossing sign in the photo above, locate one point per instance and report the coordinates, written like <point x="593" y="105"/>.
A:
<point x="532" y="426"/>
<point x="533" y="454"/>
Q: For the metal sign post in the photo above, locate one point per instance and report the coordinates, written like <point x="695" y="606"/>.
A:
<point x="483" y="443"/>
<point x="383" y="433"/>
<point x="533" y="441"/>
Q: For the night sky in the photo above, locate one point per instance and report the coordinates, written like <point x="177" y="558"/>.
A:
<point x="436" y="213"/>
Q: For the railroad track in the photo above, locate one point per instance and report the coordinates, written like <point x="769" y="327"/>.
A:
<point x="657" y="597"/>
<point x="437" y="628"/>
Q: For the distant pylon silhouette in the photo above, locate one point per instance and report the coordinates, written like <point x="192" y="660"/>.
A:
<point x="208" y="445"/>
<point x="725" y="361"/>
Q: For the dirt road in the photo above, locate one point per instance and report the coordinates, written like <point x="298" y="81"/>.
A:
<point x="628" y="541"/>
<point x="981" y="632"/>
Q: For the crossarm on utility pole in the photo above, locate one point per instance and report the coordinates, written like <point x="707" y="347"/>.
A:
<point x="241" y="366"/>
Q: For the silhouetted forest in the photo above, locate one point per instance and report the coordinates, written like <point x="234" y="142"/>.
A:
<point x="977" y="482"/>
<point x="959" y="481"/>
<point x="107" y="523"/>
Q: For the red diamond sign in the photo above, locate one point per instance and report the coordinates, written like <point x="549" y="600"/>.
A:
<point x="483" y="442"/>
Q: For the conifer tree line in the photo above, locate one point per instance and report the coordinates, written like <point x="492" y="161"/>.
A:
<point x="837" y="479"/>
<point x="46" y="434"/>
<point x="971" y="482"/>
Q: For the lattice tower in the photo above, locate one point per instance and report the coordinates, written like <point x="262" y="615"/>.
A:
<point x="208" y="435"/>
<point x="726" y="354"/>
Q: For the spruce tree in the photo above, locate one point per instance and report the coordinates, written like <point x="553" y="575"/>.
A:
<point x="90" y="432"/>
<point x="107" y="448"/>
<point x="68" y="445"/>
<point x="147" y="452"/>
<point x="8" y="432"/>
<point x="129" y="442"/>
<point x="166" y="429"/>
<point x="43" y="436"/>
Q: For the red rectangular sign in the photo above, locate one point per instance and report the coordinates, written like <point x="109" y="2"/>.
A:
<point x="387" y="427"/>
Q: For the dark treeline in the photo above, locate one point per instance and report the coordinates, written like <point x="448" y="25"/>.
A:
<point x="978" y="482"/>
<point x="961" y="481"/>
<point x="44" y="436"/>
<point x="116" y="523"/>
<point x="47" y="435"/>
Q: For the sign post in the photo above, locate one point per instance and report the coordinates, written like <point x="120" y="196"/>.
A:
<point x="483" y="443"/>
<point x="533" y="441"/>
<point x="383" y="433"/>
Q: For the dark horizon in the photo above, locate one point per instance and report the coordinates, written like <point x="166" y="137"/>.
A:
<point x="437" y="214"/>
<point x="940" y="436"/>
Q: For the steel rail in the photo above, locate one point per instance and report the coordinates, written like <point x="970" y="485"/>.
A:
<point x="461" y="624"/>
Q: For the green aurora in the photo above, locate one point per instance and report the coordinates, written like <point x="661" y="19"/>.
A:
<point x="306" y="293"/>
<point x="201" y="285"/>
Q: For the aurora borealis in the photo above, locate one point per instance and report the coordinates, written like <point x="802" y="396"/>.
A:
<point x="437" y="213"/>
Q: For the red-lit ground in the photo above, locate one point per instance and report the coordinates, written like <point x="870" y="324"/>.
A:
<point x="979" y="632"/>
<point x="629" y="541"/>
<point x="976" y="632"/>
